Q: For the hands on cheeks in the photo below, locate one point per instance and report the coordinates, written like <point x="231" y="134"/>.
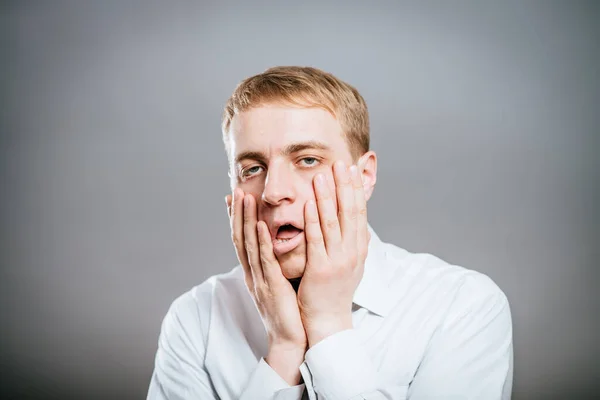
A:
<point x="271" y="291"/>
<point x="337" y="242"/>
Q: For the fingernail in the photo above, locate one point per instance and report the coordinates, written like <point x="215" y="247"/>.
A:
<point x="353" y="171"/>
<point x="246" y="201"/>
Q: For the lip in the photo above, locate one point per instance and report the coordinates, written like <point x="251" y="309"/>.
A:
<point x="285" y="247"/>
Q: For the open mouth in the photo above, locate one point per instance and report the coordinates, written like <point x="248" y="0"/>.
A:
<point x="285" y="233"/>
<point x="286" y="238"/>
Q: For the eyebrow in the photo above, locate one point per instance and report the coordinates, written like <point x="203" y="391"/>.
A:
<point x="289" y="149"/>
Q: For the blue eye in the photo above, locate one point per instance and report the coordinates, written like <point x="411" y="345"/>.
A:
<point x="251" y="171"/>
<point x="309" y="161"/>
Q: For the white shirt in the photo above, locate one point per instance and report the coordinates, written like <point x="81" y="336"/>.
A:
<point x="423" y="329"/>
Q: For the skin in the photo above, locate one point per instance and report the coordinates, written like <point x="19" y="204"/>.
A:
<point x="294" y="164"/>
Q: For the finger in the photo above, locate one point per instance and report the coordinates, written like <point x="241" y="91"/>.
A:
<point x="327" y="215"/>
<point x="270" y="266"/>
<point x="360" y="200"/>
<point x="346" y="204"/>
<point x="237" y="231"/>
<point x="315" y="245"/>
<point x="251" y="238"/>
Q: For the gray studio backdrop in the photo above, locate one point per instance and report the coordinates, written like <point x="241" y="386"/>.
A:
<point x="484" y="116"/>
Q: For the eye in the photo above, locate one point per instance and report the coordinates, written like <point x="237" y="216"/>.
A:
<point x="309" y="161"/>
<point x="248" y="172"/>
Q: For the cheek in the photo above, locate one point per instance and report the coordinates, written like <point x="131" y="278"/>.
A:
<point x="255" y="187"/>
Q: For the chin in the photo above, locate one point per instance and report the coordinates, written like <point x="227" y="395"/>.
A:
<point x="293" y="265"/>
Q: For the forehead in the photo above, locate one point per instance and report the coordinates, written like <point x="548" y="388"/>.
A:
<point x="269" y="128"/>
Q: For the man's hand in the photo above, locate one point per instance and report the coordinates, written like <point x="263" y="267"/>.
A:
<point x="337" y="245"/>
<point x="272" y="292"/>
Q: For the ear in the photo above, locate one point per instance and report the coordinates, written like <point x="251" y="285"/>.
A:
<point x="367" y="168"/>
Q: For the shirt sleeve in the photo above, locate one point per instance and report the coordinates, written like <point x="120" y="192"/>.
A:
<point x="265" y="383"/>
<point x="179" y="370"/>
<point x="470" y="356"/>
<point x="342" y="369"/>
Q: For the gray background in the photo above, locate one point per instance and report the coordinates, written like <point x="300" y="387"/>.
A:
<point x="484" y="116"/>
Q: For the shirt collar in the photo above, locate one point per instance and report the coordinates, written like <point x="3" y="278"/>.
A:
<point x="373" y="292"/>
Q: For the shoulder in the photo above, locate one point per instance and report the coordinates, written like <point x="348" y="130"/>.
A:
<point x="192" y="309"/>
<point x="424" y="277"/>
<point x="432" y="269"/>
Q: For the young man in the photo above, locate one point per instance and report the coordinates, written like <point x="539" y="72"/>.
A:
<point x="319" y="306"/>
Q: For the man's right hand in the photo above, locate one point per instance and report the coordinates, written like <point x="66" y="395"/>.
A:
<point x="273" y="294"/>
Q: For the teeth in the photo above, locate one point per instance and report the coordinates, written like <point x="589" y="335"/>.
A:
<point x="277" y="241"/>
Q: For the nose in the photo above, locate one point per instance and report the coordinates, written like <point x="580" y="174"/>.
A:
<point x="278" y="186"/>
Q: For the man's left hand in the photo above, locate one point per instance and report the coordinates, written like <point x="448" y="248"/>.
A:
<point x="337" y="243"/>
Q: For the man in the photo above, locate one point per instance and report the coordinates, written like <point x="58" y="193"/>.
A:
<point x="319" y="306"/>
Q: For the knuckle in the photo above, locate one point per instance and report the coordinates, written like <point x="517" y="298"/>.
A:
<point x="331" y="224"/>
<point x="261" y="291"/>
<point x="349" y="213"/>
<point x="362" y="211"/>
<point x="261" y="243"/>
<point x="249" y="283"/>
<point x="258" y="296"/>
<point x="353" y="260"/>
<point x="264" y="258"/>
<point x="362" y="254"/>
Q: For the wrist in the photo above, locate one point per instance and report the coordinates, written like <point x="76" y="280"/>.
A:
<point x="285" y="359"/>
<point x="321" y="329"/>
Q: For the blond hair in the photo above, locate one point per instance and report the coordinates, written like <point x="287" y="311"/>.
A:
<point x="304" y="87"/>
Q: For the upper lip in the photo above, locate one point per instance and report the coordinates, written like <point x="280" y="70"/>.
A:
<point x="275" y="225"/>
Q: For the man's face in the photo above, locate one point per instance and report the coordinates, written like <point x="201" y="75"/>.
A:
<point x="276" y="151"/>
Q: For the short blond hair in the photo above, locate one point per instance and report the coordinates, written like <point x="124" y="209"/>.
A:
<point x="304" y="87"/>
